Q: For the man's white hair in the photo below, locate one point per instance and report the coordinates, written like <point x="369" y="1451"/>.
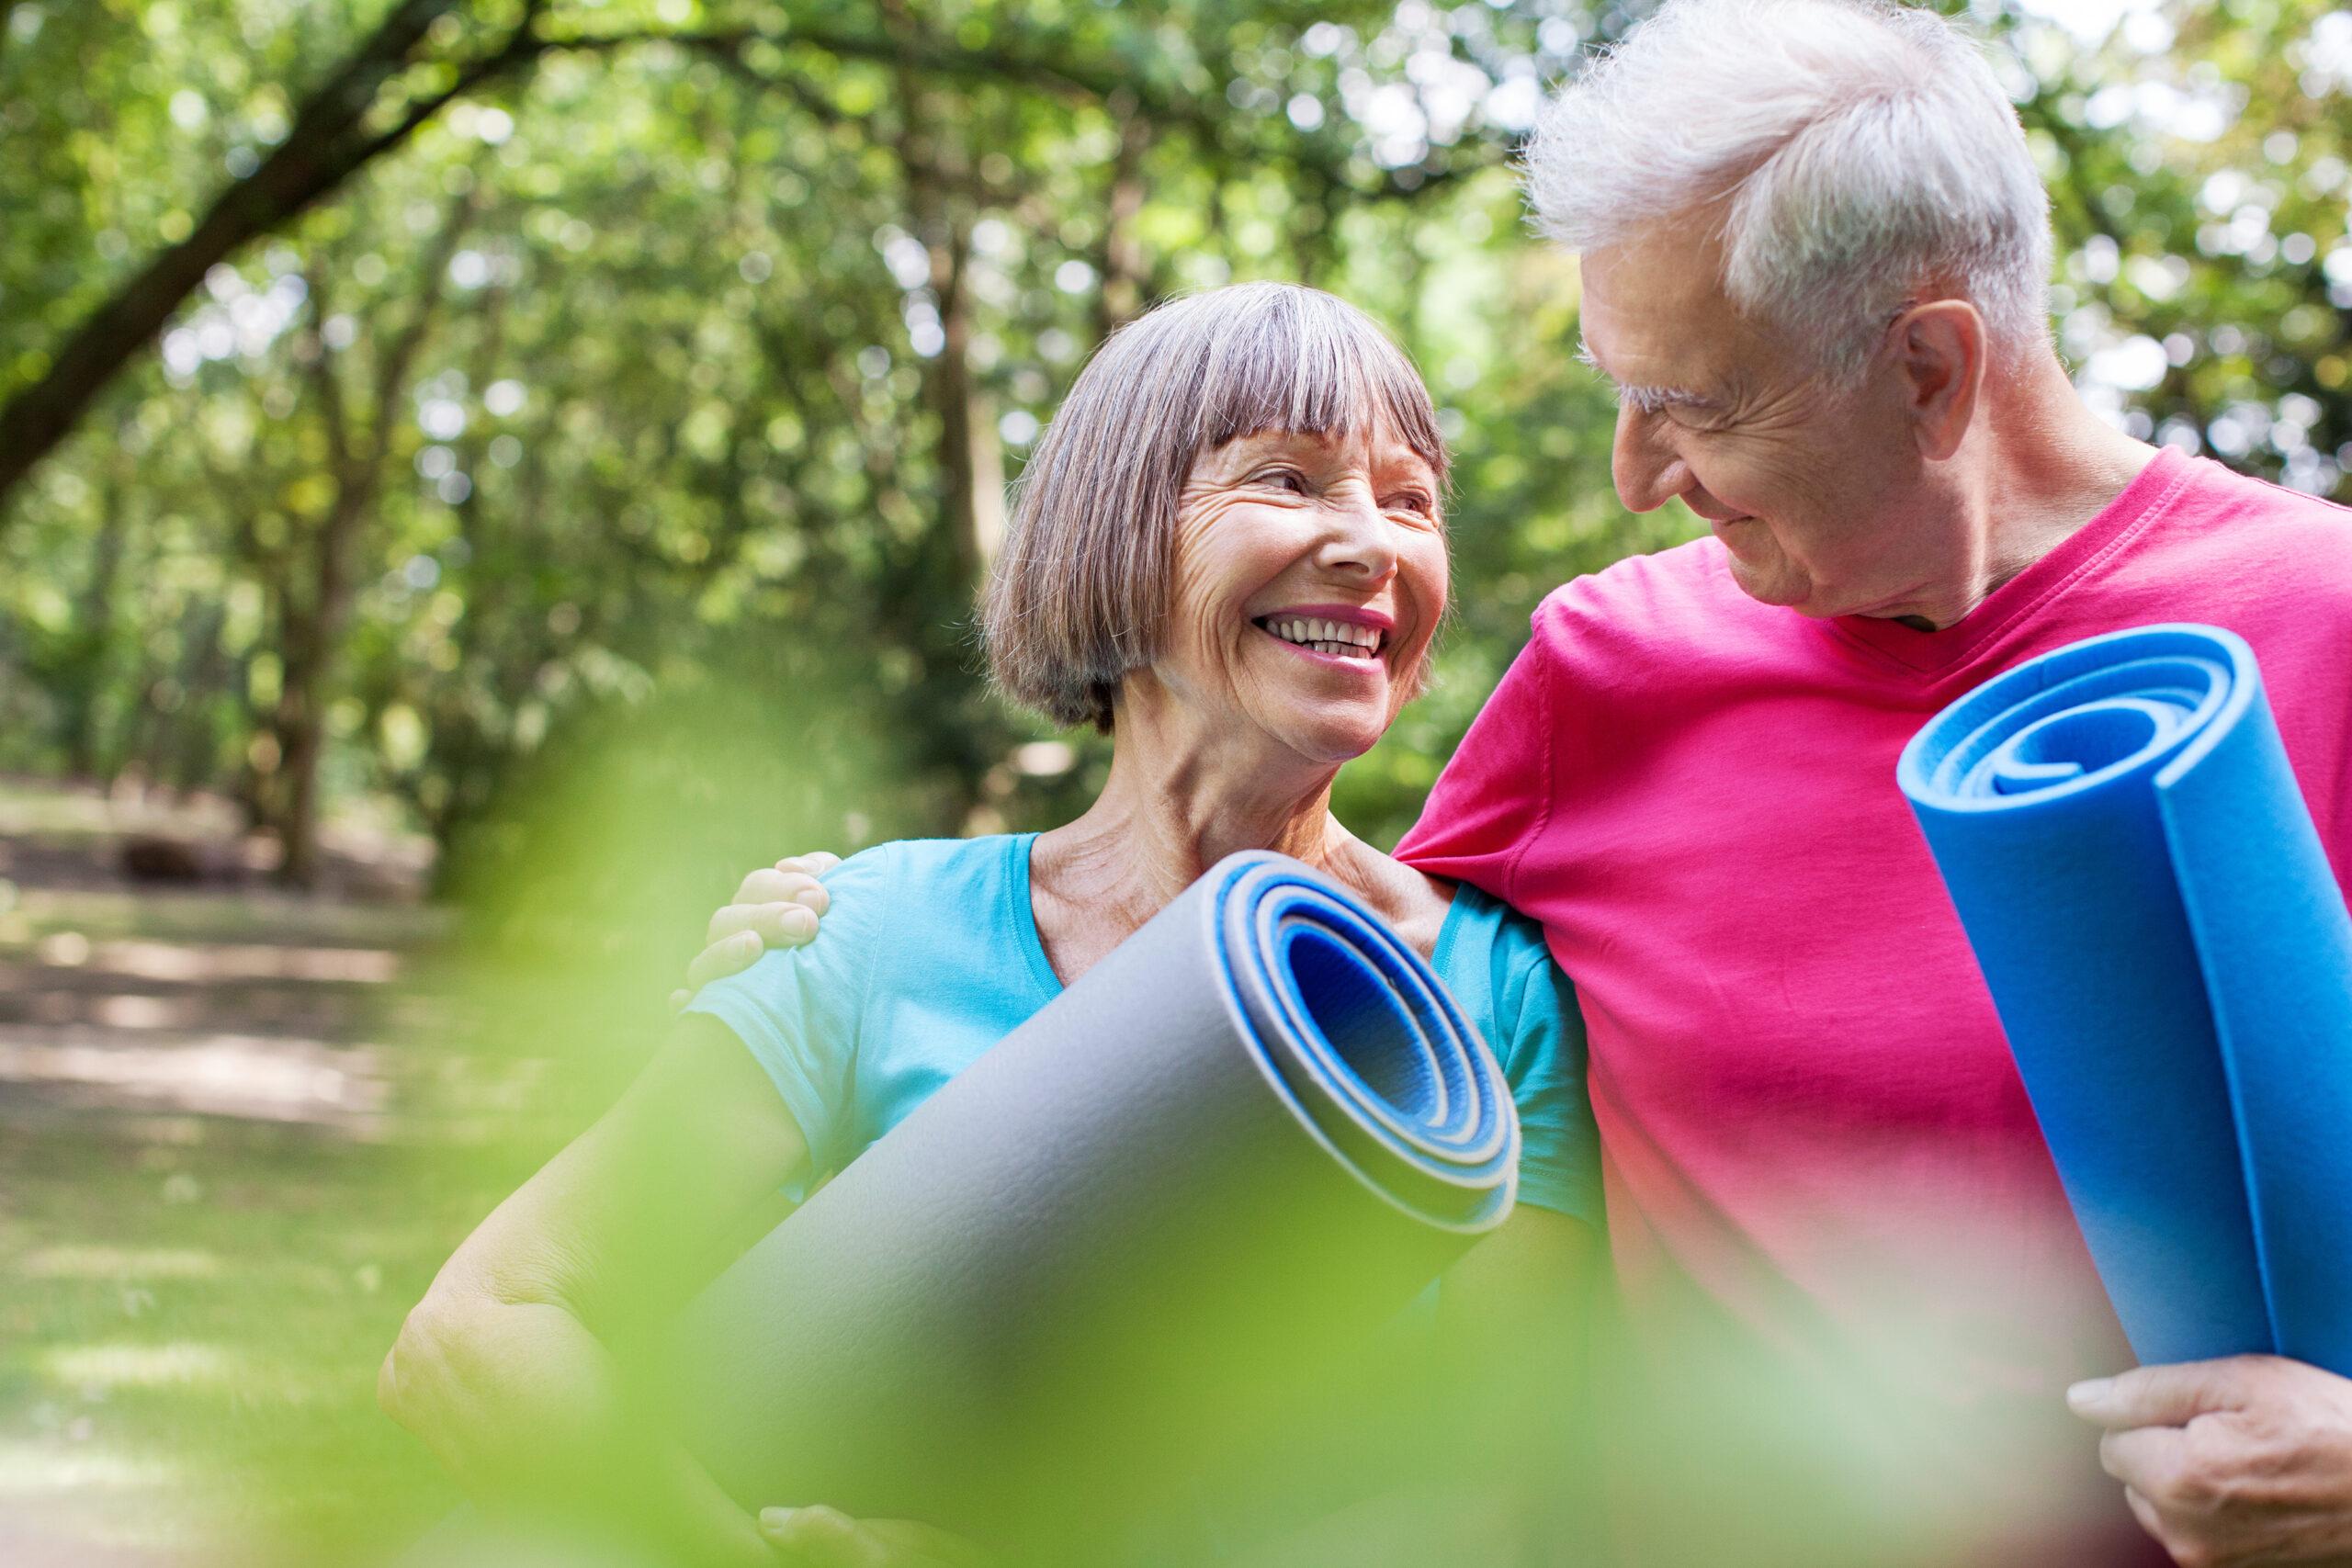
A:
<point x="1865" y="149"/>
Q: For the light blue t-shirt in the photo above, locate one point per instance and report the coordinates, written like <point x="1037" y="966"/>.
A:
<point x="929" y="955"/>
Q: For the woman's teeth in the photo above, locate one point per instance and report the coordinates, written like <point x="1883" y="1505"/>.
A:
<point x="1340" y="639"/>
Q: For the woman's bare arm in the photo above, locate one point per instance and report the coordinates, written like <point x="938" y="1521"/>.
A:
<point x="507" y="1368"/>
<point x="1514" y="1313"/>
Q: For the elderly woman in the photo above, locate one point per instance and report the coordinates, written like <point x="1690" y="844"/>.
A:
<point x="1229" y="553"/>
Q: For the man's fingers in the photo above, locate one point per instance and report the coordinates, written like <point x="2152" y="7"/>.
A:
<point x="777" y="925"/>
<point x="727" y="957"/>
<point x="2168" y="1395"/>
<point x="816" y="863"/>
<point x="2147" y="1460"/>
<point x="771" y="886"/>
<point x="2146" y="1512"/>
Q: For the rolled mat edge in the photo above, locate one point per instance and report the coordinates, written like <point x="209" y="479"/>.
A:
<point x="2122" y="837"/>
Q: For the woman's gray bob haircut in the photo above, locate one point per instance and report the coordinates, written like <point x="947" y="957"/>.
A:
<point x="1865" y="147"/>
<point x="1078" y="594"/>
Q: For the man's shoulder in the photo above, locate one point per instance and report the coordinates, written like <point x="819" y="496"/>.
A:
<point x="1669" y="578"/>
<point x="2241" y="552"/>
<point x="2239" y="512"/>
<point x="1677" y="602"/>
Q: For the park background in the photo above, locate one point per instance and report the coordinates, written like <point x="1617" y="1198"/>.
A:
<point x="475" y="477"/>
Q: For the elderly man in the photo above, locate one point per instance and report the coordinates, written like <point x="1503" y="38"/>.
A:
<point x="1814" y="251"/>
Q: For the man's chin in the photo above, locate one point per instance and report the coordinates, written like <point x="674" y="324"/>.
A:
<point x="1771" y="583"/>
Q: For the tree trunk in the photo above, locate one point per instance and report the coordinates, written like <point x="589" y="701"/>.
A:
<point x="186" y="750"/>
<point x="966" y="440"/>
<point x="312" y="639"/>
<point x="96" y="637"/>
<point x="1121" y="298"/>
<point x="359" y="443"/>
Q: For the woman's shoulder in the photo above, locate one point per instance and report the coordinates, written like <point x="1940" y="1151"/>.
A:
<point x="905" y="895"/>
<point x="918" y="864"/>
<point x="907" y="878"/>
<point x="1505" y="951"/>
<point x="1495" y="925"/>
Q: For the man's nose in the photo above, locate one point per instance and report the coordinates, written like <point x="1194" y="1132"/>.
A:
<point x="1643" y="463"/>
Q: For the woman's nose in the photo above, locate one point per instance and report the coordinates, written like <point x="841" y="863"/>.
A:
<point x="1361" y="537"/>
<point x="1648" y="470"/>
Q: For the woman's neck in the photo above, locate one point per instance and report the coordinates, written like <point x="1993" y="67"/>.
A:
<point x="1168" y="813"/>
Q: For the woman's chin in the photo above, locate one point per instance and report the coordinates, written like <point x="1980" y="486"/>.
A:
<point x="1336" y="740"/>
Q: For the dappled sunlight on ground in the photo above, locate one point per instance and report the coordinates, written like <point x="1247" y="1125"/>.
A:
<point x="214" y="1075"/>
<point x="131" y="1365"/>
<point x="71" y="1262"/>
<point x="211" y="961"/>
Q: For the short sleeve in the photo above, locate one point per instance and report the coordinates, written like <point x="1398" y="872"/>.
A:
<point x="796" y="1010"/>
<point x="1543" y="1058"/>
<point x="1495" y="794"/>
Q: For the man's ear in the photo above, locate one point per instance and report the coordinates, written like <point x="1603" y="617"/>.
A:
<point x="1939" y="349"/>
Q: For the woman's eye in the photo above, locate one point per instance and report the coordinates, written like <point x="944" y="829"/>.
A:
<point x="1284" y="479"/>
<point x="1413" y="500"/>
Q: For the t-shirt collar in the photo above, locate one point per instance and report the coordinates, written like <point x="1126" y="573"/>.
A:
<point x="1932" y="652"/>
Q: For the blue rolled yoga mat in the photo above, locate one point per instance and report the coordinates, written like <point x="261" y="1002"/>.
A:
<point x="2127" y="848"/>
<point x="1231" y="1151"/>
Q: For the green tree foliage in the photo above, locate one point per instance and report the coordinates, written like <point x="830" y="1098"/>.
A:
<point x="618" y="354"/>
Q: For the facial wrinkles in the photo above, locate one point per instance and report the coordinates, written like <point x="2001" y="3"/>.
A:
<point x="1822" y="472"/>
<point x="1248" y="544"/>
<point x="1654" y="321"/>
<point x="1209" y="631"/>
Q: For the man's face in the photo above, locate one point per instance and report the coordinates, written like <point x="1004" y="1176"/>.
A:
<point x="1816" y="494"/>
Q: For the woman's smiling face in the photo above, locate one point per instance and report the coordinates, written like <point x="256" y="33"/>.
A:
<point x="1310" y="576"/>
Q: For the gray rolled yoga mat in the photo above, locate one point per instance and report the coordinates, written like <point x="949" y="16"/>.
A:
<point x="1224" y="1156"/>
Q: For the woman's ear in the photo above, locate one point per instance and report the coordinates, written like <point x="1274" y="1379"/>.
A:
<point x="1939" y="350"/>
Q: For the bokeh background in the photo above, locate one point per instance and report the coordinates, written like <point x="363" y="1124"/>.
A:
<point x="476" y="478"/>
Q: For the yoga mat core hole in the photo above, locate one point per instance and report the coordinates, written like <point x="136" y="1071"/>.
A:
<point x="2071" y="744"/>
<point x="1361" y="1018"/>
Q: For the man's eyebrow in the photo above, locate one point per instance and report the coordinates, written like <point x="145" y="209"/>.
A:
<point x="1644" y="400"/>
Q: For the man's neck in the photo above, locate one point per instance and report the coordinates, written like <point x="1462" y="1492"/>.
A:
<point x="2046" y="465"/>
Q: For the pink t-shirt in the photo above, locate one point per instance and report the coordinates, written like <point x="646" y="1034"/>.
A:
<point x="1842" y="1251"/>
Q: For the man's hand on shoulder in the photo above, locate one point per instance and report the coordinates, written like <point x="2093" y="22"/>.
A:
<point x="777" y="905"/>
<point x="2231" y="1463"/>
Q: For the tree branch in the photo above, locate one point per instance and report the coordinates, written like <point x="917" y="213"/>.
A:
<point x="325" y="147"/>
<point x="328" y="145"/>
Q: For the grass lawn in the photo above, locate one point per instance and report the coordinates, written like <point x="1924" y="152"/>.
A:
<point x="194" y="1311"/>
<point x="217" y="1200"/>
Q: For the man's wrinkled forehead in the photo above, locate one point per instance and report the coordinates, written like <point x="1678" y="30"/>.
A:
<point x="1654" y="319"/>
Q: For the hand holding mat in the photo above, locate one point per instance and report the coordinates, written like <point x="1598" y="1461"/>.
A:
<point x="1230" y="1151"/>
<point x="2122" y="836"/>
